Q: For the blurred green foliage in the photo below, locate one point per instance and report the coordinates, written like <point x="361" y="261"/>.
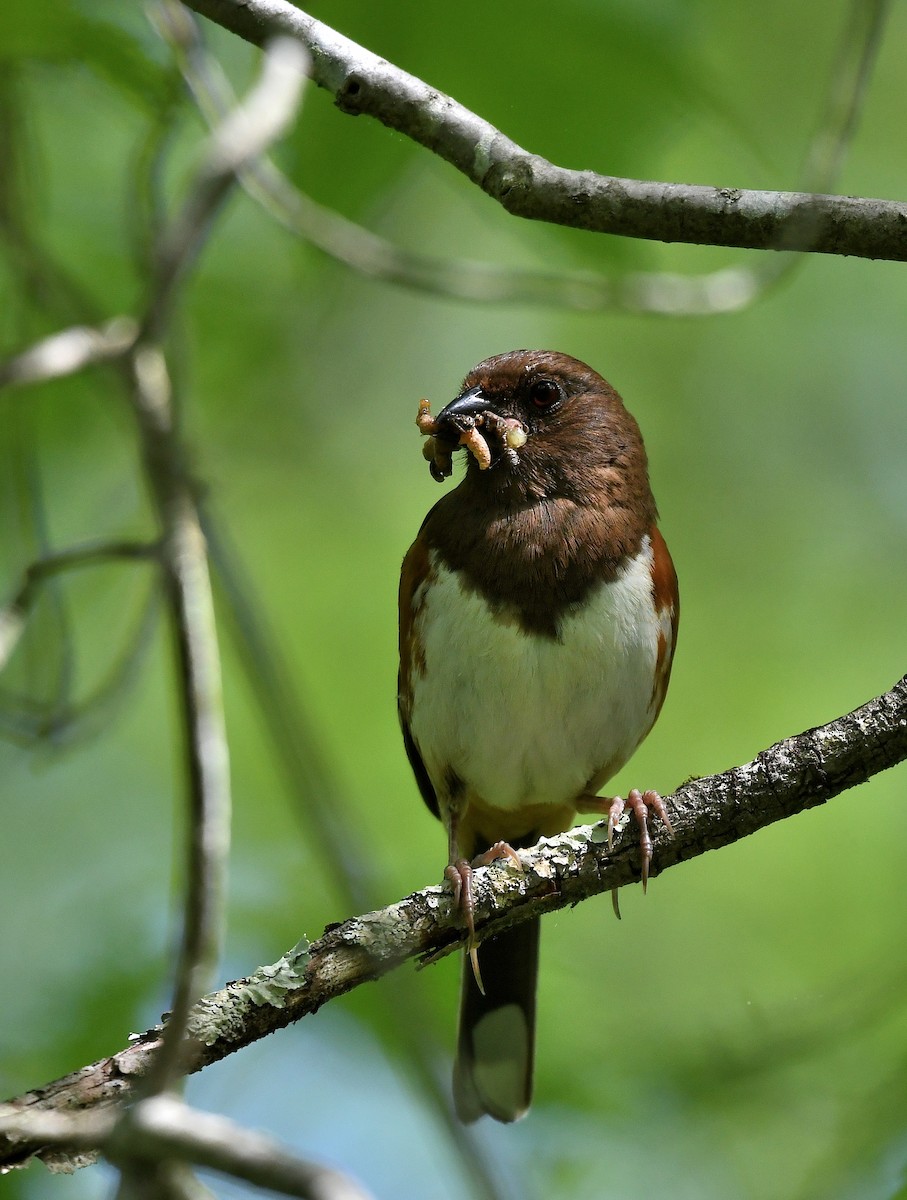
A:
<point x="742" y="1031"/>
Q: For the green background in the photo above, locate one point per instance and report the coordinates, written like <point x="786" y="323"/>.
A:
<point x="742" y="1030"/>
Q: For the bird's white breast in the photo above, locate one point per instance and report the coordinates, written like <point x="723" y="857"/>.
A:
<point x="528" y="720"/>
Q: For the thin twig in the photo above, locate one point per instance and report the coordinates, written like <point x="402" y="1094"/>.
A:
<point x="244" y="133"/>
<point x="25" y="720"/>
<point x="39" y="281"/>
<point x="187" y="591"/>
<point x="848" y="85"/>
<point x="796" y="774"/>
<point x="13" y="615"/>
<point x="319" y="801"/>
<point x="69" y="351"/>
<point x="527" y="185"/>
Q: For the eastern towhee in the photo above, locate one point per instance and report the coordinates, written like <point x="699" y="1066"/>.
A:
<point x="538" y="619"/>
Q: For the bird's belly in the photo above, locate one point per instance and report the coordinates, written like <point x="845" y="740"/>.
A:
<point x="528" y="721"/>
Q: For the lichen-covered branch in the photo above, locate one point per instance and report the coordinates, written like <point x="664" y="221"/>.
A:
<point x="527" y="185"/>
<point x="796" y="774"/>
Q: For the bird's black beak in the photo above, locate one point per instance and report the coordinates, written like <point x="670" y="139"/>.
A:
<point x="470" y="405"/>
<point x="473" y="421"/>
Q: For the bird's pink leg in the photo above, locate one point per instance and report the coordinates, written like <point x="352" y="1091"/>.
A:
<point x="459" y="872"/>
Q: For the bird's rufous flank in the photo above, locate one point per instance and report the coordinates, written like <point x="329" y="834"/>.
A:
<point x="538" y="621"/>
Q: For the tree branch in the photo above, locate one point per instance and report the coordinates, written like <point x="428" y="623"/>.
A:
<point x="798" y="773"/>
<point x="187" y="590"/>
<point x="667" y="293"/>
<point x="527" y="185"/>
<point x="244" y="132"/>
<point x="164" y="1130"/>
<point x="69" y="351"/>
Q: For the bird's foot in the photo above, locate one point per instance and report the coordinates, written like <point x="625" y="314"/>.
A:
<point x="497" y="851"/>
<point x="460" y="873"/>
<point x="639" y="803"/>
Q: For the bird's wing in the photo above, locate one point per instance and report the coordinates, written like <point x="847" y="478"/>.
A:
<point x="666" y="596"/>
<point x="415" y="574"/>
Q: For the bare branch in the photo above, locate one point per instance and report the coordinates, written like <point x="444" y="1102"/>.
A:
<point x="163" y="1129"/>
<point x="665" y="293"/>
<point x="798" y="773"/>
<point x="464" y="279"/>
<point x="187" y="590"/>
<point x="324" y="808"/>
<point x="70" y="351"/>
<point x="244" y="133"/>
<point x="14" y="614"/>
<point x="850" y="76"/>
<point x="527" y="185"/>
<point x="26" y="720"/>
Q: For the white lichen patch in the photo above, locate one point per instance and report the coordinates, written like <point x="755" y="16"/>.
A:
<point x="599" y="831"/>
<point x="221" y="1016"/>
<point x="561" y="851"/>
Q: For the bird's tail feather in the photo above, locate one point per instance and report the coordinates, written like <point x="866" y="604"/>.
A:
<point x="495" y="1050"/>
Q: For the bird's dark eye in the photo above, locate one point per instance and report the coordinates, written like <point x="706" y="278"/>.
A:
<point x="544" y="393"/>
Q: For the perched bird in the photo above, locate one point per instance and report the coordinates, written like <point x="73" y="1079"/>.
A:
<point x="538" y="620"/>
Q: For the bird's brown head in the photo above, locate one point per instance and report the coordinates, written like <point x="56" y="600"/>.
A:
<point x="574" y="436"/>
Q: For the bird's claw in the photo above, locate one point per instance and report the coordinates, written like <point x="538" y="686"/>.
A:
<point x="460" y="875"/>
<point x="639" y="804"/>
<point x="459" y="872"/>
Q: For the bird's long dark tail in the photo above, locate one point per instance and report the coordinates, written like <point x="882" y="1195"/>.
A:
<point x="495" y="1049"/>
